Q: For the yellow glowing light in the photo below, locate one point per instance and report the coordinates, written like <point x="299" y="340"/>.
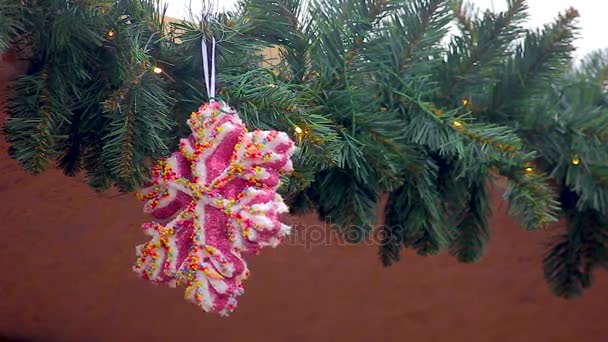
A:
<point x="157" y="70"/>
<point x="576" y="160"/>
<point x="465" y="102"/>
<point x="111" y="34"/>
<point x="298" y="130"/>
<point x="458" y="124"/>
<point x="529" y="169"/>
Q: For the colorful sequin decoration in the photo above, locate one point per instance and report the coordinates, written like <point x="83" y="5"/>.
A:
<point x="218" y="197"/>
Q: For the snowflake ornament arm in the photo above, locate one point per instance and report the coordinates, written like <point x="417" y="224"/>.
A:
<point x="218" y="194"/>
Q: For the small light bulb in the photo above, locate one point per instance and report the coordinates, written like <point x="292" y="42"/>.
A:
<point x="272" y="85"/>
<point x="111" y="34"/>
<point x="157" y="70"/>
<point x="298" y="130"/>
<point x="458" y="124"/>
<point x="576" y="160"/>
<point x="529" y="169"/>
<point x="465" y="102"/>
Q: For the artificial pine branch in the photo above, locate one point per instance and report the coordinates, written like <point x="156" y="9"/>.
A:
<point x="353" y="215"/>
<point x="555" y="47"/>
<point x="11" y="23"/>
<point x="570" y="263"/>
<point x="531" y="200"/>
<point x="33" y="127"/>
<point x="541" y="59"/>
<point x="464" y="13"/>
<point x="488" y="44"/>
<point x="430" y="18"/>
<point x="421" y="212"/>
<point x="279" y="24"/>
<point x="71" y="160"/>
<point x="415" y="217"/>
<point x="473" y="232"/>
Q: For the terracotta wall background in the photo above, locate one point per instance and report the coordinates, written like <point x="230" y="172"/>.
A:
<point x="66" y="255"/>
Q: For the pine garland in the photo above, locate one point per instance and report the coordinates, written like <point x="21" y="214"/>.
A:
<point x="376" y="100"/>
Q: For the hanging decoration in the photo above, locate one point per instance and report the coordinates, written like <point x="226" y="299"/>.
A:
<point x="217" y="196"/>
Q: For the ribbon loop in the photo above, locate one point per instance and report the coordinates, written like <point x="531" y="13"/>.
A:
<point x="209" y="78"/>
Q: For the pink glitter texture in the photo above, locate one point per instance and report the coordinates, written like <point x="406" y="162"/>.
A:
<point x="217" y="197"/>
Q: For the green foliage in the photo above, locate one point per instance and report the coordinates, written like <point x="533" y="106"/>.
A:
<point x="575" y="150"/>
<point x="11" y="22"/>
<point x="378" y="96"/>
<point x="34" y="126"/>
<point x="472" y="232"/>
<point x="537" y="63"/>
<point x="88" y="99"/>
<point x="575" y="255"/>
<point x="415" y="216"/>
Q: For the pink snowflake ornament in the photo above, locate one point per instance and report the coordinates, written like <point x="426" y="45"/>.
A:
<point x="218" y="197"/>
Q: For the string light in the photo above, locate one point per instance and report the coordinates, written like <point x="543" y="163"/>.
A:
<point x="298" y="130"/>
<point x="576" y="160"/>
<point x="272" y="85"/>
<point x="529" y="169"/>
<point x="465" y="102"/>
<point x="111" y="34"/>
<point x="157" y="70"/>
<point x="458" y="124"/>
